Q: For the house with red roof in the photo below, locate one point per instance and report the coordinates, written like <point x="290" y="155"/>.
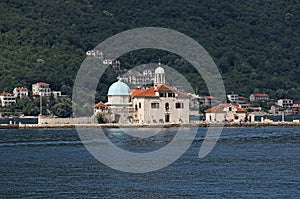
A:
<point x="276" y="109"/>
<point x="160" y="104"/>
<point x="100" y="107"/>
<point x="296" y="108"/>
<point x="41" y="89"/>
<point x="225" y="113"/>
<point x="258" y="97"/>
<point x="20" y="92"/>
<point x="207" y="100"/>
<point x="6" y="99"/>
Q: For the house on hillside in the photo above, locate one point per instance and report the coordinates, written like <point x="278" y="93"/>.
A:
<point x="225" y="113"/>
<point x="296" y="108"/>
<point x="20" y="92"/>
<point x="233" y="97"/>
<point x="286" y="104"/>
<point x="138" y="79"/>
<point x="258" y="97"/>
<point x="6" y="99"/>
<point x="276" y="109"/>
<point x="242" y="100"/>
<point x="207" y="100"/>
<point x="41" y="89"/>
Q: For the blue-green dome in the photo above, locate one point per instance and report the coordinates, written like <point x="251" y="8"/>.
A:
<point x="119" y="88"/>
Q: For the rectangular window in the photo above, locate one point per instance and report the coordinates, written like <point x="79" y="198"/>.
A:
<point x="162" y="95"/>
<point x="179" y="105"/>
<point x="171" y="95"/>
<point x="155" y="105"/>
<point x="140" y="105"/>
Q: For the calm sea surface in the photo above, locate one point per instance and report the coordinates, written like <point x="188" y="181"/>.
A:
<point x="245" y="163"/>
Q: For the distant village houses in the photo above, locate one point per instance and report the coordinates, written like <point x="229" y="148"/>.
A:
<point x="20" y="92"/>
<point x="7" y="99"/>
<point x="138" y="79"/>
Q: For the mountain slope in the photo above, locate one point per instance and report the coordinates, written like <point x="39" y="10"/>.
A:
<point x="255" y="43"/>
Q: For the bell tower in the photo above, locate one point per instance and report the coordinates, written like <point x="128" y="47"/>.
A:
<point x="159" y="75"/>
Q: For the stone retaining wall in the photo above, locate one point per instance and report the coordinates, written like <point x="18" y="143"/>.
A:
<point x="83" y="120"/>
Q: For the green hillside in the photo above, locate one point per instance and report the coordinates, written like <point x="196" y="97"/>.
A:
<point x="256" y="44"/>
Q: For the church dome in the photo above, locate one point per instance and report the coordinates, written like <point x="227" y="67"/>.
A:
<point x="119" y="88"/>
<point x="159" y="70"/>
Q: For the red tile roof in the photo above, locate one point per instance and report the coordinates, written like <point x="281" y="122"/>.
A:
<point x="260" y="95"/>
<point x="136" y="92"/>
<point x="21" y="89"/>
<point x="209" y="97"/>
<point x="220" y="108"/>
<point x="150" y="92"/>
<point x="296" y="105"/>
<point x="40" y="83"/>
<point x="100" y="104"/>
<point x="5" y="93"/>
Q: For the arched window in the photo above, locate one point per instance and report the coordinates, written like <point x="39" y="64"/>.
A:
<point x="167" y="106"/>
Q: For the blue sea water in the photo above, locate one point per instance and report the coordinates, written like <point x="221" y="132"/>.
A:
<point x="245" y="163"/>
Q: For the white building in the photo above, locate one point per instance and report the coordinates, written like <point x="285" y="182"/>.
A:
<point x="233" y="97"/>
<point x="160" y="104"/>
<point x="41" y="89"/>
<point x="286" y="104"/>
<point x="7" y="99"/>
<point x="276" y="109"/>
<point x="20" y="92"/>
<point x="100" y="107"/>
<point x="138" y="79"/>
<point x="56" y="94"/>
<point x="225" y="113"/>
<point x="258" y="97"/>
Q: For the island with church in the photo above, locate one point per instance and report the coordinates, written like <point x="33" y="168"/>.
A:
<point x="152" y="101"/>
<point x="160" y="104"/>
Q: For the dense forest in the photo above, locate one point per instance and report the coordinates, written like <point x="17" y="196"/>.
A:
<point x="255" y="43"/>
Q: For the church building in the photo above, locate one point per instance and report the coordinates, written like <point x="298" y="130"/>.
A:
<point x="158" y="104"/>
